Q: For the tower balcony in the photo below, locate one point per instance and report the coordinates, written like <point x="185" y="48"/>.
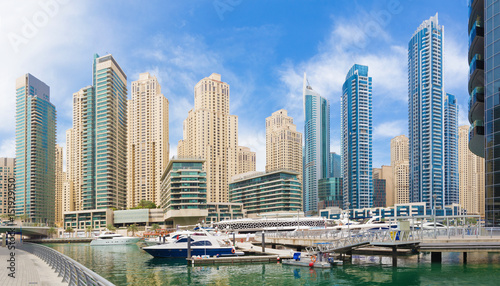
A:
<point x="476" y="104"/>
<point x="476" y="39"/>
<point x="476" y="138"/>
<point x="476" y="11"/>
<point x="476" y="72"/>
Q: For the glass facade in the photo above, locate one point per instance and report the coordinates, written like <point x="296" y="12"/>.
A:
<point x="492" y="112"/>
<point x="356" y="141"/>
<point x="335" y="163"/>
<point x="35" y="150"/>
<point x="330" y="193"/>
<point x="425" y="114"/>
<point x="273" y="192"/>
<point x="379" y="193"/>
<point x="451" y="191"/>
<point x="316" y="147"/>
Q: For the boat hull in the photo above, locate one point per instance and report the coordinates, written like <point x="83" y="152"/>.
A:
<point x="182" y="253"/>
<point x="115" y="241"/>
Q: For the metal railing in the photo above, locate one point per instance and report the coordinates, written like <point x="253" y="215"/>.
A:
<point x="72" y="272"/>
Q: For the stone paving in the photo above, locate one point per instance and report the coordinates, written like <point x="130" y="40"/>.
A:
<point x="29" y="270"/>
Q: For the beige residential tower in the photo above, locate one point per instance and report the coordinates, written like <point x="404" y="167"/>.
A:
<point x="401" y="169"/>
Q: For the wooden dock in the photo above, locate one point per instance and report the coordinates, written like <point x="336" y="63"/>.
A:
<point x="233" y="260"/>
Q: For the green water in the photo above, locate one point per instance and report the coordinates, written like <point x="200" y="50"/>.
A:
<point x="129" y="265"/>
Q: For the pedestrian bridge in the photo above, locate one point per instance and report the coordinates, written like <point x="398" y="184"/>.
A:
<point x="31" y="231"/>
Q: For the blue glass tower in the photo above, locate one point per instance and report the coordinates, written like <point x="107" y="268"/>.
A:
<point x="335" y="163"/>
<point x="451" y="192"/>
<point x="317" y="145"/>
<point x="35" y="150"/>
<point x="356" y="143"/>
<point x="425" y="114"/>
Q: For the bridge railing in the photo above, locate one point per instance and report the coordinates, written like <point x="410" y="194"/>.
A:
<point x="72" y="272"/>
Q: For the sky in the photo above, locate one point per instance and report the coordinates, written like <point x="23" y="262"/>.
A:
<point x="261" y="49"/>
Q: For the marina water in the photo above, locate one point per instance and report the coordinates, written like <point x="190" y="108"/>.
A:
<point x="129" y="265"/>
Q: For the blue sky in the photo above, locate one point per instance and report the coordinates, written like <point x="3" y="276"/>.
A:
<point x="261" y="48"/>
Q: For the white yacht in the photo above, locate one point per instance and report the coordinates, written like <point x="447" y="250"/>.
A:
<point x="202" y="243"/>
<point x="111" y="238"/>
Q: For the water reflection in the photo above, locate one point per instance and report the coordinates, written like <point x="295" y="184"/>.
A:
<point x="129" y="265"/>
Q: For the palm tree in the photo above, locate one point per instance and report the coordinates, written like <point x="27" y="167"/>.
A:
<point x="110" y="227"/>
<point x="51" y="232"/>
<point x="155" y="227"/>
<point x="69" y="229"/>
<point x="132" y="228"/>
<point x="88" y="230"/>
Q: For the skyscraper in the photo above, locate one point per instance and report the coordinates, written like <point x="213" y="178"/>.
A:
<point x="317" y="144"/>
<point x="148" y="145"/>
<point x="400" y="168"/>
<point x="35" y="150"/>
<point x="484" y="101"/>
<point x="98" y="148"/>
<point x="60" y="177"/>
<point x="451" y="150"/>
<point x="425" y="114"/>
<point x="335" y="162"/>
<point x="471" y="175"/>
<point x="387" y="174"/>
<point x="211" y="133"/>
<point x="7" y="167"/>
<point x="283" y="144"/>
<point x="246" y="160"/>
<point x="356" y="143"/>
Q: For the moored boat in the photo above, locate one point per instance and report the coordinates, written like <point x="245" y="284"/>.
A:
<point x="111" y="238"/>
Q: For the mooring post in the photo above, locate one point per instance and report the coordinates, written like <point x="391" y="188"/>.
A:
<point x="234" y="239"/>
<point x="465" y="258"/>
<point x="394" y="256"/>
<point x="263" y="242"/>
<point x="189" y="247"/>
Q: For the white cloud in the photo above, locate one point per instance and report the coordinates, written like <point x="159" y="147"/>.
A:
<point x="390" y="129"/>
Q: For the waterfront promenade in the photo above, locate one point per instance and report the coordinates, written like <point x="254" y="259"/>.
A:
<point x="29" y="270"/>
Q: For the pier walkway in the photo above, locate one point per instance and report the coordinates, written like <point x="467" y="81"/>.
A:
<point x="29" y="270"/>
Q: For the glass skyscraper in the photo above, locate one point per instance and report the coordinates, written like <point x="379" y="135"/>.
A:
<point x="335" y="162"/>
<point x="484" y="101"/>
<point x="35" y="150"/>
<point x="99" y="139"/>
<point x="451" y="190"/>
<point x="356" y="143"/>
<point x="317" y="145"/>
<point x="425" y="114"/>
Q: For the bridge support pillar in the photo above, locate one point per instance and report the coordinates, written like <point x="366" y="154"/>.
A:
<point x="465" y="258"/>
<point x="436" y="257"/>
<point x="394" y="256"/>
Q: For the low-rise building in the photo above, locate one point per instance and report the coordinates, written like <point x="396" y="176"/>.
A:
<point x="96" y="219"/>
<point x="272" y="192"/>
<point x="184" y="192"/>
<point x="224" y="211"/>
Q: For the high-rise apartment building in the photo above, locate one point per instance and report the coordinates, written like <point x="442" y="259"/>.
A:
<point x="60" y="176"/>
<point x="317" y="144"/>
<point x="484" y="100"/>
<point x="246" y="160"/>
<point x="211" y="133"/>
<point x="385" y="173"/>
<point x="97" y="165"/>
<point x="7" y="176"/>
<point x="471" y="175"/>
<point x="148" y="143"/>
<point x="335" y="165"/>
<point x="451" y="192"/>
<point x="379" y="195"/>
<point x="35" y="150"/>
<point x="283" y="144"/>
<point x="425" y="114"/>
<point x="400" y="170"/>
<point x="356" y="142"/>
